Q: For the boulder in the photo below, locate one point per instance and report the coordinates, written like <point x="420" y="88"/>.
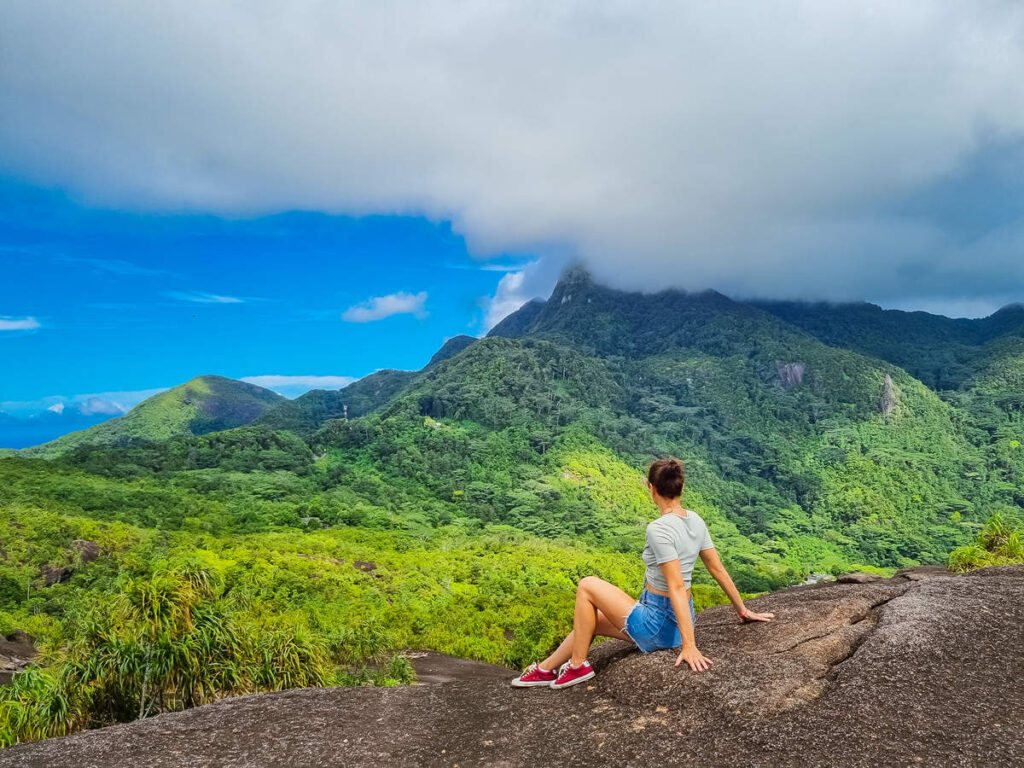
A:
<point x="55" y="574"/>
<point x="82" y="551"/>
<point x="87" y="550"/>
<point x="922" y="572"/>
<point x="20" y="636"/>
<point x="892" y="672"/>
<point x="16" y="651"/>
<point x="858" y="577"/>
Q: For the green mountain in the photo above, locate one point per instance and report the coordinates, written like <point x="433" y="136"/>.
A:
<point x="801" y="453"/>
<point x="804" y="454"/>
<point x="199" y="406"/>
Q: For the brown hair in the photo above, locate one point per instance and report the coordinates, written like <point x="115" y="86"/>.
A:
<point x="668" y="477"/>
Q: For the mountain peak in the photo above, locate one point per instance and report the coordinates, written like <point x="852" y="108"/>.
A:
<point x="1015" y="309"/>
<point x="451" y="348"/>
<point x="576" y="274"/>
<point x="609" y="321"/>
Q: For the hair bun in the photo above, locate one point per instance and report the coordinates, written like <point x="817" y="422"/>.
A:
<point x="667" y="476"/>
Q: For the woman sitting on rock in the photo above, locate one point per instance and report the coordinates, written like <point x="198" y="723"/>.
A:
<point x="663" y="617"/>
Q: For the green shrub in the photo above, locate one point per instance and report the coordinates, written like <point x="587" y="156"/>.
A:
<point x="1000" y="542"/>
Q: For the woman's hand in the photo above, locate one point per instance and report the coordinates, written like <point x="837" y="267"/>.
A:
<point x="698" y="661"/>
<point x="747" y="616"/>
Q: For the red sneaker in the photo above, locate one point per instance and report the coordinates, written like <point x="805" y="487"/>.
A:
<point x="533" y="676"/>
<point x="570" y="675"/>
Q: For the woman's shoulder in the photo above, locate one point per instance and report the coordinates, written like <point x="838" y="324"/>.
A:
<point x="672" y="521"/>
<point x="659" y="525"/>
<point x="696" y="521"/>
<point x="654" y="525"/>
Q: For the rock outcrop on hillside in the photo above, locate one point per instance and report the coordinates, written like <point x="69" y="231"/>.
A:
<point x="922" y="669"/>
<point x="16" y="651"/>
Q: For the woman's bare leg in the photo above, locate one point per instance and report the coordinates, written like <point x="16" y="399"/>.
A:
<point x="604" y="628"/>
<point x="595" y="595"/>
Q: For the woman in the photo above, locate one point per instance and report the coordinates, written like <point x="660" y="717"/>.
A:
<point x="663" y="617"/>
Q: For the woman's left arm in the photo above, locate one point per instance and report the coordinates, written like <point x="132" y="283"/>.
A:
<point x="714" y="565"/>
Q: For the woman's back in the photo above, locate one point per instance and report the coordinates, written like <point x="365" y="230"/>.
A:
<point x="674" y="537"/>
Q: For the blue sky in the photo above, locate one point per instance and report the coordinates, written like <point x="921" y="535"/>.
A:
<point x="128" y="302"/>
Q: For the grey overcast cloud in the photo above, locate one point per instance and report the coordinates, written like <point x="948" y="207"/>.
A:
<point x="832" y="150"/>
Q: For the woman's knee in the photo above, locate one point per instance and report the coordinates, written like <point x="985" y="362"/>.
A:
<point x="588" y="584"/>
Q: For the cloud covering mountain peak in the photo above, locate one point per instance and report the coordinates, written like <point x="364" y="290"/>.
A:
<point x="791" y="149"/>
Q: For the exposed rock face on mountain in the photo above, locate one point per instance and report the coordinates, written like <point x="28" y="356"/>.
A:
<point x="888" y="396"/>
<point x="82" y="551"/>
<point x="791" y="374"/>
<point x="921" y="669"/>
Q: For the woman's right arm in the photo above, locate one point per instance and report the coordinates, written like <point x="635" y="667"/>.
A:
<point x="681" y="605"/>
<point x="714" y="565"/>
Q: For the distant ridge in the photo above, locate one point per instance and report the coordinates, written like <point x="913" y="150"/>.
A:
<point x="308" y="412"/>
<point x="201" y="405"/>
<point x="945" y="353"/>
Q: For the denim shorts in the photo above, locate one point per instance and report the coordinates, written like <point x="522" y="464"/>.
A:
<point x="652" y="623"/>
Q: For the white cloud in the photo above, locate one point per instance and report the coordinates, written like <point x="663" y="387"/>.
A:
<point x="203" y="298"/>
<point x="97" y="405"/>
<point x="487" y="266"/>
<point x="116" y="266"/>
<point x="763" y="148"/>
<point x="380" y="307"/>
<point x="293" y="386"/>
<point x="506" y="300"/>
<point x="18" y="323"/>
<point x="113" y="403"/>
<point x="535" y="280"/>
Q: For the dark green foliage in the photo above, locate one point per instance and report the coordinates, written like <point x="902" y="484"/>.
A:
<point x="247" y="449"/>
<point x="943" y="353"/>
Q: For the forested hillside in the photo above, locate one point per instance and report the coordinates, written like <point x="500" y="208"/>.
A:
<point x="454" y="507"/>
<point x="204" y="404"/>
